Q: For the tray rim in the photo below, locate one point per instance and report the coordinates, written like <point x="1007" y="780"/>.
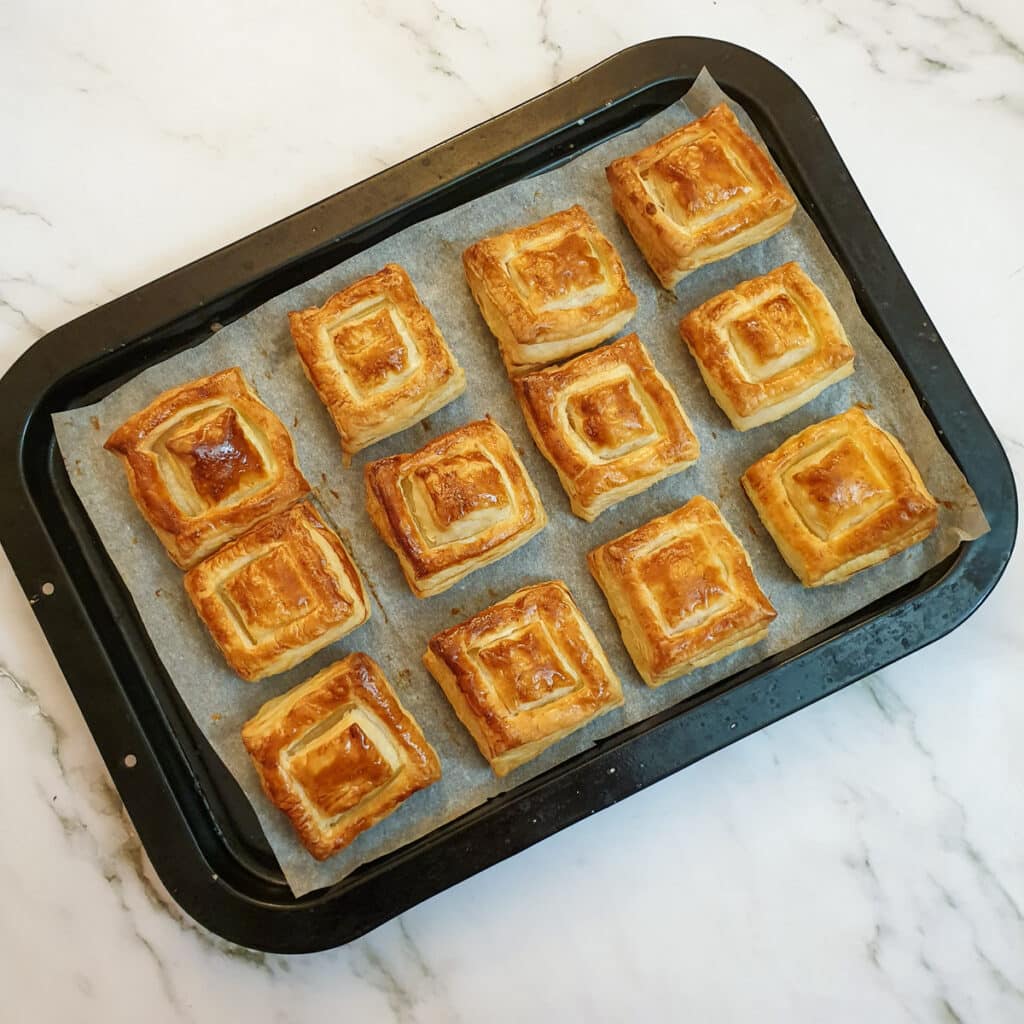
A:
<point x="303" y="925"/>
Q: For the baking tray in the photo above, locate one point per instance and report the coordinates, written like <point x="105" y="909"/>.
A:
<point x="198" y="829"/>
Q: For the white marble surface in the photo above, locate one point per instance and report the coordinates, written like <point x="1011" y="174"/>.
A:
<point x="863" y="860"/>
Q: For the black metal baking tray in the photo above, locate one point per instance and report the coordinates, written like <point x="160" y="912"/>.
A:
<point x="197" y="828"/>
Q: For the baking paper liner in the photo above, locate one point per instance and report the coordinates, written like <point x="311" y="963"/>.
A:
<point x="401" y="624"/>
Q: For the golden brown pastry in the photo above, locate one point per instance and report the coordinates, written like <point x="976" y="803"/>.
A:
<point x="550" y="289"/>
<point x="205" y="462"/>
<point x="338" y="753"/>
<point x="461" y="502"/>
<point x="768" y="346"/>
<point x="699" y="195"/>
<point x="523" y="674"/>
<point x="279" y="593"/>
<point x="609" y="423"/>
<point x="376" y="358"/>
<point x="839" y="497"/>
<point x="682" y="590"/>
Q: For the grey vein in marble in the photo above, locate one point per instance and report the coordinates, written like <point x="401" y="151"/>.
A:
<point x="892" y="33"/>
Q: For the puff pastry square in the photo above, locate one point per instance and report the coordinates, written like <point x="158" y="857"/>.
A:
<point x="609" y="423"/>
<point x="550" y="289"/>
<point x="279" y="593"/>
<point x="338" y="753"/>
<point x="682" y="590"/>
<point x="461" y="502"/>
<point x="523" y="674"/>
<point x="205" y="462"/>
<point x="376" y="358"/>
<point x="839" y="497"/>
<point x="768" y="346"/>
<point x="698" y="195"/>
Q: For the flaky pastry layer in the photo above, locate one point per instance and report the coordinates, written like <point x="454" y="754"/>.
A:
<point x="376" y="358"/>
<point x="523" y="674"/>
<point x="549" y="290"/>
<point x="205" y="462"/>
<point x="682" y="590"/>
<point x="279" y="593"/>
<point x="461" y="502"/>
<point x="768" y="346"/>
<point x="338" y="753"/>
<point x="840" y="496"/>
<point x="698" y="195"/>
<point x="609" y="423"/>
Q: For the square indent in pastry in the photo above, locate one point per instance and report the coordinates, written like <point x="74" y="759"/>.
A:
<point x="682" y="590"/>
<point x="839" y="497"/>
<point x="279" y="593"/>
<point x="376" y="358"/>
<point x="338" y="753"/>
<point x="550" y="289"/>
<point x="768" y="346"/>
<point x="459" y="503"/>
<point x="698" y="195"/>
<point x="205" y="462"/>
<point x="609" y="423"/>
<point x="523" y="674"/>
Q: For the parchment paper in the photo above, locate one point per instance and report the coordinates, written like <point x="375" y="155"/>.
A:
<point x="400" y="625"/>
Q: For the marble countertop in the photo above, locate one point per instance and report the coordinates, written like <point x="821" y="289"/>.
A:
<point x="862" y="860"/>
